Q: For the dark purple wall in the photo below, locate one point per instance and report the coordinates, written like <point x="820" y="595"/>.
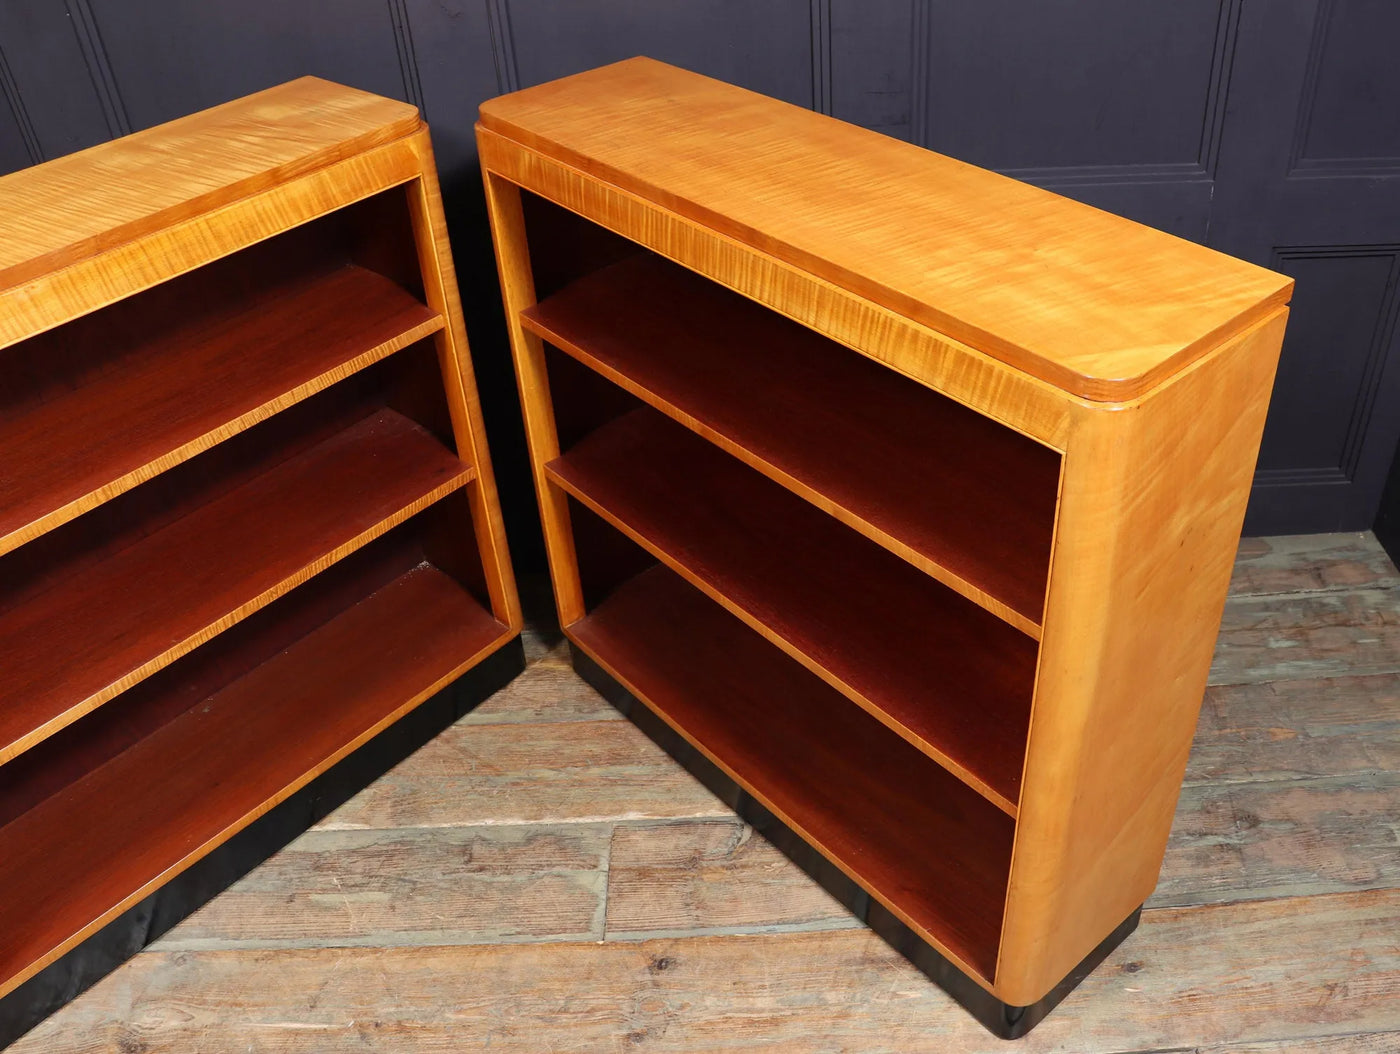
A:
<point x="1270" y="130"/>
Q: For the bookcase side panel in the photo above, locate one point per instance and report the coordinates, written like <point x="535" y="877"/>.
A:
<point x="518" y="292"/>
<point x="454" y="357"/>
<point x="1152" y="503"/>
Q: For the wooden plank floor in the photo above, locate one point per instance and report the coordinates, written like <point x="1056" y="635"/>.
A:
<point x="541" y="878"/>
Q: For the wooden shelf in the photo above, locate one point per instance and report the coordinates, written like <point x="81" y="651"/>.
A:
<point x="964" y="498"/>
<point x="924" y="844"/>
<point x="943" y="673"/>
<point x="164" y="400"/>
<point x="97" y="631"/>
<point x="103" y="841"/>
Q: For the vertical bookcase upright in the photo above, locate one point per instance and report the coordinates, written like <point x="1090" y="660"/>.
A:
<point x="903" y="493"/>
<point x="247" y="517"/>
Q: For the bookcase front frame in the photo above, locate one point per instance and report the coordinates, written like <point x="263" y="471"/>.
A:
<point x="422" y="550"/>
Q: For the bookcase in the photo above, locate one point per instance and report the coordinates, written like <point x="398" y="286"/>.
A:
<point x="902" y="494"/>
<point x="247" y="516"/>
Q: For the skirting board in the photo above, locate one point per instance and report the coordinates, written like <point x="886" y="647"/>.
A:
<point x="79" y="969"/>
<point x="1001" y="1019"/>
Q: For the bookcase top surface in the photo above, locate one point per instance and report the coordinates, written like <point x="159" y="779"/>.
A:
<point x="65" y="210"/>
<point x="1098" y="305"/>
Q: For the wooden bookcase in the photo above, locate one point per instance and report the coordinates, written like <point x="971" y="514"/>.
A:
<point x="904" y="493"/>
<point x="247" y="517"/>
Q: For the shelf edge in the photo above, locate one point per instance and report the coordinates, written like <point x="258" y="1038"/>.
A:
<point x="137" y="926"/>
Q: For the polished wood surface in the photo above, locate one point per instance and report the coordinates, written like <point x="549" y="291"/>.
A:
<point x="249" y="518"/>
<point x="75" y="207"/>
<point x="856" y="440"/>
<point x="1093" y="398"/>
<point x="1150" y="516"/>
<point x="56" y="297"/>
<point x="901" y="226"/>
<point x="88" y="637"/>
<point x="518" y="292"/>
<point x="191" y="385"/>
<point x="943" y="674"/>
<point x="187" y="787"/>
<point x="439" y="276"/>
<point x="882" y="811"/>
<point x="1023" y="403"/>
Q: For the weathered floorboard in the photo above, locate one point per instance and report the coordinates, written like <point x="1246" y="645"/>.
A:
<point x="1357" y="1043"/>
<point x="1282" y="730"/>
<point x="1234" y="841"/>
<point x="691" y="876"/>
<point x="1303" y="635"/>
<point x="1308" y="562"/>
<point x="1284" y="970"/>
<point x="547" y="691"/>
<point x="537" y="773"/>
<point x="435" y="886"/>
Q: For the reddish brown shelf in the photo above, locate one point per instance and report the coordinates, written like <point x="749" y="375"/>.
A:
<point x="100" y="629"/>
<point x="965" y="498"/>
<point x="941" y="671"/>
<point x="99" y="844"/>
<point x="171" y="396"/>
<point x="926" y="845"/>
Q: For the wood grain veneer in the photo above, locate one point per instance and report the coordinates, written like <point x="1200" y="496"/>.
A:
<point x="1049" y="410"/>
<point x="901" y="226"/>
<point x="247" y="514"/>
<point x="73" y="208"/>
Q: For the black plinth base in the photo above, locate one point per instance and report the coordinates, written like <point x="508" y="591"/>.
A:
<point x="71" y="975"/>
<point x="1001" y="1019"/>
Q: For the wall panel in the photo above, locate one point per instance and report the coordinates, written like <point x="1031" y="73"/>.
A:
<point x="47" y="74"/>
<point x="457" y="69"/>
<point x="18" y="147"/>
<point x="763" y="46"/>
<point x="1351" y="113"/>
<point x="170" y="57"/>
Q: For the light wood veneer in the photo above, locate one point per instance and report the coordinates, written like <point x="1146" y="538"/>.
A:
<point x="920" y="450"/>
<point x="247" y="515"/>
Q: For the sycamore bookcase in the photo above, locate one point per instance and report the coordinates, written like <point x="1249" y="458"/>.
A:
<point x="247" y="517"/>
<point x="901" y="492"/>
